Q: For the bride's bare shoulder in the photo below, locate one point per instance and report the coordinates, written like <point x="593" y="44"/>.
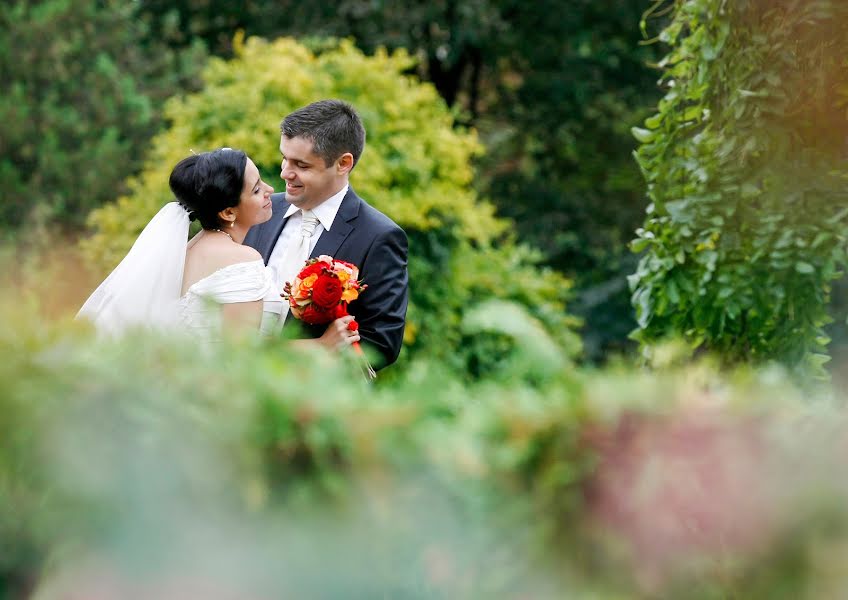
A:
<point x="240" y="253"/>
<point x="215" y="253"/>
<point x="211" y="255"/>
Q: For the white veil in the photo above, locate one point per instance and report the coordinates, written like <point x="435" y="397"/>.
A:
<point x="144" y="289"/>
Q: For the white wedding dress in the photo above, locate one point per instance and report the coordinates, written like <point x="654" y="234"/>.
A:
<point x="199" y="310"/>
<point x="143" y="291"/>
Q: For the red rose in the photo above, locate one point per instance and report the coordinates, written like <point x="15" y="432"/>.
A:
<point x="315" y="268"/>
<point x="314" y="315"/>
<point x="327" y="291"/>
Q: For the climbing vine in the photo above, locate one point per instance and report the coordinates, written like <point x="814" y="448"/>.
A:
<point x="745" y="162"/>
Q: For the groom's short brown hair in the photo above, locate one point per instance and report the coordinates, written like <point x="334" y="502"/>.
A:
<point x="333" y="127"/>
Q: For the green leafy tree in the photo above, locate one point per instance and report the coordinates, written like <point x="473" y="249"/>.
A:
<point x="416" y="168"/>
<point x="745" y="163"/>
<point x="79" y="98"/>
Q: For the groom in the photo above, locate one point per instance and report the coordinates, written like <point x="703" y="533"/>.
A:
<point x="321" y="144"/>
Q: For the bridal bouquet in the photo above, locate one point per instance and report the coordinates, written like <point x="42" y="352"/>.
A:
<point x="321" y="292"/>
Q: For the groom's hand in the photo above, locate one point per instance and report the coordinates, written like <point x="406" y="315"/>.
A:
<point x="338" y="334"/>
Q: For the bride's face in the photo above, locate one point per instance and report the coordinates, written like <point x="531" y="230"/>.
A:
<point x="254" y="205"/>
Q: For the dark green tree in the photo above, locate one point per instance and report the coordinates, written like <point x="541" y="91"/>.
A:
<point x="560" y="153"/>
<point x="80" y="90"/>
<point x="453" y="40"/>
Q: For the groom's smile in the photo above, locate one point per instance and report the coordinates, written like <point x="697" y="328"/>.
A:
<point x="309" y="179"/>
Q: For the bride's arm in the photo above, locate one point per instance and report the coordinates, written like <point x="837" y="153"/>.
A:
<point x="238" y="317"/>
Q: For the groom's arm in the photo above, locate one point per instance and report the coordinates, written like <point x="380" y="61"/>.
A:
<point x="381" y="309"/>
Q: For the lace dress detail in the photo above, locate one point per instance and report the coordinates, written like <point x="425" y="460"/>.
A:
<point x="200" y="309"/>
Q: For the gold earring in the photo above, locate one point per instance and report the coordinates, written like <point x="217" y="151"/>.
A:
<point x="233" y="223"/>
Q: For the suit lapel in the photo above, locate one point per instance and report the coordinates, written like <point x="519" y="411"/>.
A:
<point x="342" y="226"/>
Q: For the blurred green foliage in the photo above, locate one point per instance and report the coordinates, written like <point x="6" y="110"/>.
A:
<point x="81" y="87"/>
<point x="154" y="468"/>
<point x="745" y="163"/>
<point x="416" y="168"/>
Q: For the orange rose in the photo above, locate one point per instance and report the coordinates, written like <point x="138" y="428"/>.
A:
<point x="306" y="285"/>
<point x="350" y="294"/>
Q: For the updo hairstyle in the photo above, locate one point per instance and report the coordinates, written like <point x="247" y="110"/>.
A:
<point x="205" y="184"/>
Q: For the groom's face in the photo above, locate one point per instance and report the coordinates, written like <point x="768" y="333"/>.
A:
<point x="308" y="180"/>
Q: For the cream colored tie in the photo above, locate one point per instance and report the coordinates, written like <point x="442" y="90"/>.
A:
<point x="293" y="261"/>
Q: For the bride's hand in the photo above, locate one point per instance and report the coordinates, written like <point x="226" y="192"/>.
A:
<point x="337" y="335"/>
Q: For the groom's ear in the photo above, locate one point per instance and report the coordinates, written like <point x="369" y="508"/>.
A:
<point x="345" y="163"/>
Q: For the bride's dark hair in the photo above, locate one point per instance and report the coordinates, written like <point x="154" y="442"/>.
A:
<point x="207" y="183"/>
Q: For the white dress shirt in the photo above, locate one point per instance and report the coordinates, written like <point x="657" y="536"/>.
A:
<point x="326" y="213"/>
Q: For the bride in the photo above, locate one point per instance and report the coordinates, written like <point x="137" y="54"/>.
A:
<point x="211" y="285"/>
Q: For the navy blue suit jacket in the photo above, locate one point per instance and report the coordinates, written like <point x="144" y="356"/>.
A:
<point x="364" y="236"/>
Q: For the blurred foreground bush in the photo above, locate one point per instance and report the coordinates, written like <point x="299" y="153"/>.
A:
<point x="153" y="468"/>
<point x="416" y="168"/>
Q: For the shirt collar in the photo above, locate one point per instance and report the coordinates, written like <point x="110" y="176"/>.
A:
<point x="327" y="210"/>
